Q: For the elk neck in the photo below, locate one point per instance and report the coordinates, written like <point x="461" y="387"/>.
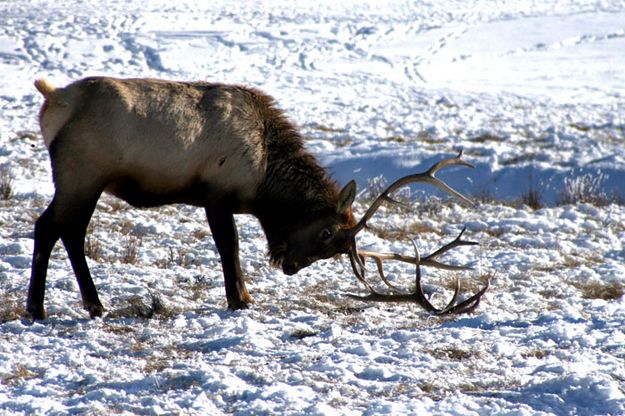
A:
<point x="296" y="189"/>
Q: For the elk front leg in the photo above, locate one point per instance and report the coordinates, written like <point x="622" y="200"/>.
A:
<point x="221" y="222"/>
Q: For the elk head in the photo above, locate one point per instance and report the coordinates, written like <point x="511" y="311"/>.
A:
<point x="347" y="236"/>
<point x="318" y="237"/>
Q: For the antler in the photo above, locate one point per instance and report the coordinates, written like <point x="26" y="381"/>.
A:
<point x="429" y="260"/>
<point x="418" y="296"/>
<point x="357" y="257"/>
<point x="428" y="176"/>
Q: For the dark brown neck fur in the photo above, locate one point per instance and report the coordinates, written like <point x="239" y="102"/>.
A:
<point x="295" y="186"/>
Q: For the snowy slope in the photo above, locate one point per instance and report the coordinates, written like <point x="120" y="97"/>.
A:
<point x="533" y="91"/>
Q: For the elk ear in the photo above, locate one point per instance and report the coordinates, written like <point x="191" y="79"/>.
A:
<point x="346" y="197"/>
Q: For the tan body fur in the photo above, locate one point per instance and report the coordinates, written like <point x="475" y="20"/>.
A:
<point x="181" y="135"/>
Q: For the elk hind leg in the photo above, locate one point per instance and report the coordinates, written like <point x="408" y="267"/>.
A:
<point x="66" y="217"/>
<point x="46" y="235"/>
<point x="73" y="233"/>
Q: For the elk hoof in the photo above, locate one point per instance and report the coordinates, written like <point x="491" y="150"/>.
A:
<point x="95" y="311"/>
<point x="237" y="304"/>
<point x="37" y="312"/>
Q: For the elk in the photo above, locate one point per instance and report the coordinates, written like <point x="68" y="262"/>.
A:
<point x="226" y="148"/>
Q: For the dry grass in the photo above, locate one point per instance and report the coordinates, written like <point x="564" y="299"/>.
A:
<point x="533" y="198"/>
<point x="536" y="353"/>
<point x="12" y="308"/>
<point x="519" y="159"/>
<point x="201" y="234"/>
<point x="402" y="234"/>
<point x="585" y="188"/>
<point x="327" y="129"/>
<point x="581" y="126"/>
<point x="495" y="232"/>
<point x="131" y="250"/>
<point x="452" y="354"/>
<point x="179" y="256"/>
<point x="19" y="375"/>
<point x="468" y="284"/>
<point x="93" y="248"/>
<point x="396" y="139"/>
<point x="570" y="261"/>
<point x="375" y="186"/>
<point x="485" y="196"/>
<point x="125" y="226"/>
<point x="111" y="204"/>
<point x="303" y="333"/>
<point x="119" y="329"/>
<point x="155" y="365"/>
<point x="141" y="308"/>
<point x="429" y="137"/>
<point x="597" y="289"/>
<point x="6" y="183"/>
<point x="488" y="138"/>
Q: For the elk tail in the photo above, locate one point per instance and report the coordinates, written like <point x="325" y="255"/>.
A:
<point x="45" y="88"/>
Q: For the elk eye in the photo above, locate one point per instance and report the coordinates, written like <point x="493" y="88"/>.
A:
<point x="326" y="234"/>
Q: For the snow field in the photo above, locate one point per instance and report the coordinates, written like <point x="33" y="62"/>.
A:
<point x="533" y="93"/>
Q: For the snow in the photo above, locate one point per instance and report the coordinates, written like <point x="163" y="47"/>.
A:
<point x="533" y="91"/>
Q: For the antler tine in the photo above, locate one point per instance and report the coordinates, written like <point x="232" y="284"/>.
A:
<point x="429" y="260"/>
<point x="357" y="266"/>
<point x="379" y="262"/>
<point x="428" y="176"/>
<point x="425" y="261"/>
<point x="458" y="242"/>
<point x="432" y="179"/>
<point x="418" y="296"/>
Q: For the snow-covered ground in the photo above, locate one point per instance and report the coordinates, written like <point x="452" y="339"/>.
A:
<point x="533" y="91"/>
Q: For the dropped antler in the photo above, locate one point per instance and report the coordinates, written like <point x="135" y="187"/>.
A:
<point x="357" y="258"/>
